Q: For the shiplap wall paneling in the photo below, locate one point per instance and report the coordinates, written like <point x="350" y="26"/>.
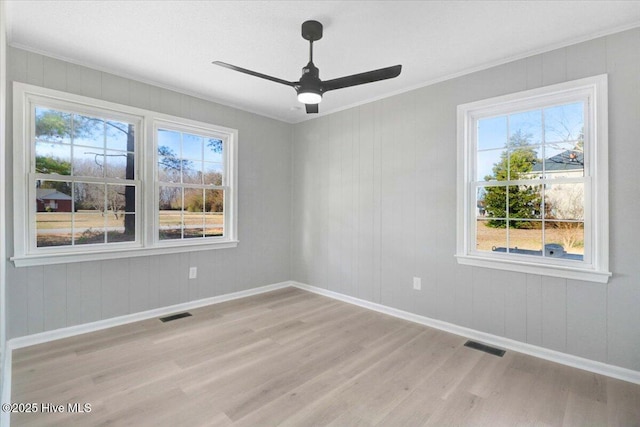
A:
<point x="84" y="290"/>
<point x="51" y="297"/>
<point x="366" y="199"/>
<point x="488" y="302"/>
<point x="17" y="302"/>
<point x="335" y="211"/>
<point x="623" y="293"/>
<point x="534" y="309"/>
<point x="623" y="296"/>
<point x="396" y="273"/>
<point x="55" y="296"/>
<point x="428" y="191"/>
<point x="515" y="298"/>
<point x="115" y="291"/>
<point x="414" y="209"/>
<point x="554" y="313"/>
<point x="587" y="306"/>
<point x="35" y="299"/>
<point x="138" y="284"/>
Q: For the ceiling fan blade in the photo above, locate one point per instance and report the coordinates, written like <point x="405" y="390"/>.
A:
<point x="311" y="108"/>
<point x="254" y="73"/>
<point x="362" y="78"/>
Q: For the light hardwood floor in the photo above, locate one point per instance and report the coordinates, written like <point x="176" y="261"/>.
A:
<point x="294" y="358"/>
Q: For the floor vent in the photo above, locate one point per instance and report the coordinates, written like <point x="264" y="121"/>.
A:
<point x="485" y="348"/>
<point x="174" y="317"/>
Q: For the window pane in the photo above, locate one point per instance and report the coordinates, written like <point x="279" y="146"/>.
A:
<point x="563" y="160"/>
<point x="213" y="173"/>
<point x="214" y="208"/>
<point x="194" y="200"/>
<point x="214" y="224"/>
<point x="490" y="237"/>
<point x="89" y="197"/>
<point x="214" y="200"/>
<point x="88" y="228"/>
<point x="121" y="199"/>
<point x="213" y="150"/>
<point x="54" y="196"/>
<point x="191" y="146"/>
<point x="88" y="161"/>
<point x="168" y="169"/>
<point x="121" y="220"/>
<point x="564" y="239"/>
<point x="168" y="143"/>
<point x="525" y="237"/>
<point x="564" y="123"/>
<point x="54" y="207"/>
<point x="170" y="215"/>
<point x="525" y="201"/>
<point x="52" y="125"/>
<point x="88" y="131"/>
<point x="564" y="201"/>
<point x="522" y="161"/>
<point x="192" y="172"/>
<point x="121" y="227"/>
<point x="53" y="158"/>
<point x="170" y="198"/>
<point x="492" y="133"/>
<point x="120" y="136"/>
<point x="494" y="201"/>
<point x="53" y="229"/>
<point x="194" y="212"/>
<point x="193" y="225"/>
<point x="525" y="126"/>
<point x="118" y="163"/>
<point x="481" y="206"/>
<point x="488" y="165"/>
<point x="170" y="225"/>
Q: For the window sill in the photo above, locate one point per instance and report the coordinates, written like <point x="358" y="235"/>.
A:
<point x="64" y="258"/>
<point x="536" y="268"/>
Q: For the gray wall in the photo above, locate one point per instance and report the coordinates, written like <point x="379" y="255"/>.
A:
<point x="374" y="204"/>
<point x="50" y="297"/>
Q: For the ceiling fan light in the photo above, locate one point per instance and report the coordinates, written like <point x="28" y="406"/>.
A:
<point x="309" y="97"/>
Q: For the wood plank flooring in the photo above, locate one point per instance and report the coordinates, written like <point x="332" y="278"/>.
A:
<point x="294" y="358"/>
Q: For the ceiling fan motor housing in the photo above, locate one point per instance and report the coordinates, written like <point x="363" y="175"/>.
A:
<point x="310" y="80"/>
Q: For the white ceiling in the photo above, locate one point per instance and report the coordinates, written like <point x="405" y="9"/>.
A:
<point x="172" y="43"/>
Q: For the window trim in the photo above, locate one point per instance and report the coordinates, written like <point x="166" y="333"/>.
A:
<point x="146" y="243"/>
<point x="596" y="203"/>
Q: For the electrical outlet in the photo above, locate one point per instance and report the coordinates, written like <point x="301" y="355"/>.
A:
<point x="193" y="272"/>
<point x="417" y="283"/>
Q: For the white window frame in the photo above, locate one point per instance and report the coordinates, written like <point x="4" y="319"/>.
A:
<point x="595" y="266"/>
<point x="25" y="97"/>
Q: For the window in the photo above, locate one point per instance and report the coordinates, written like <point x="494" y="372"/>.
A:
<point x="82" y="180"/>
<point x="532" y="190"/>
<point x="96" y="180"/>
<point x="191" y="177"/>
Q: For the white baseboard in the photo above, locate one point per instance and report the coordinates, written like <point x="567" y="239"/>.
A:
<point x="70" y="331"/>
<point x="495" y="340"/>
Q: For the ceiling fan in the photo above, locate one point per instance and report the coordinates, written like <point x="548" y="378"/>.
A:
<point x="310" y="88"/>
